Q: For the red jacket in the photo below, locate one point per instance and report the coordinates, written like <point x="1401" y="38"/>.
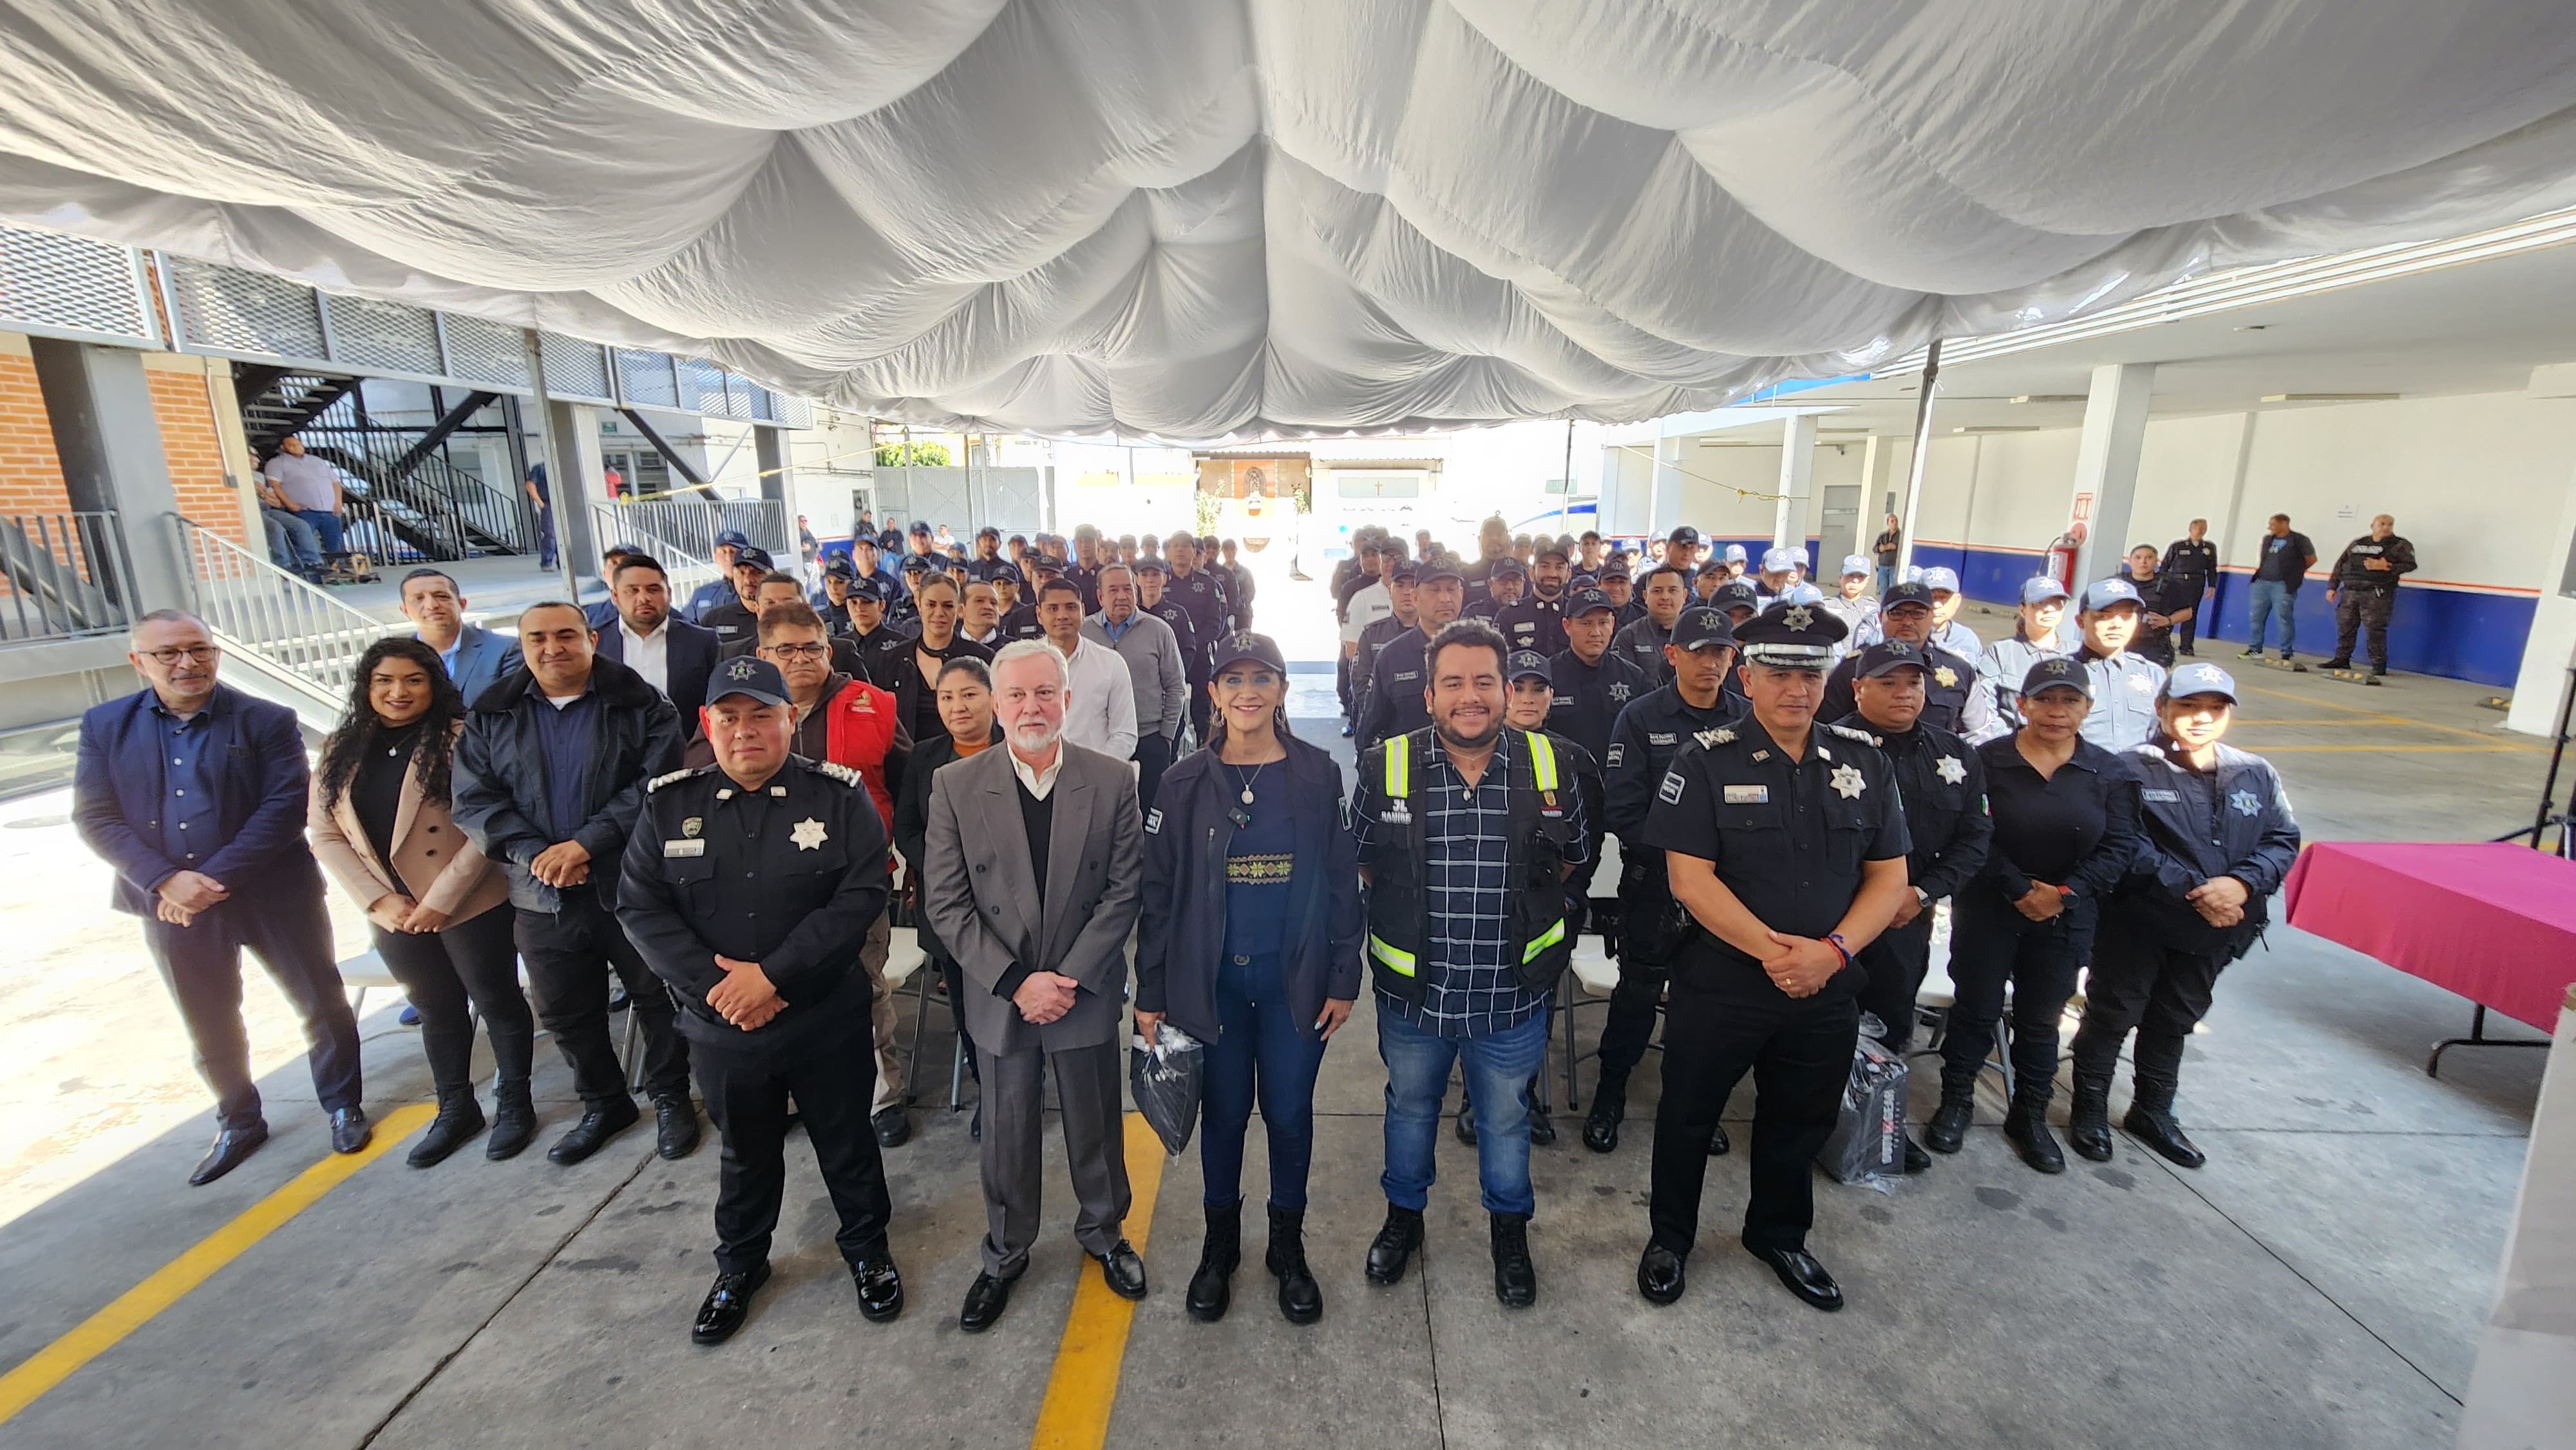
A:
<point x="860" y="727"/>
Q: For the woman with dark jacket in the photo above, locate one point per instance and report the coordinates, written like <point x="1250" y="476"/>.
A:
<point x="2065" y="828"/>
<point x="440" y="912"/>
<point x="965" y="699"/>
<point x="1249" y="941"/>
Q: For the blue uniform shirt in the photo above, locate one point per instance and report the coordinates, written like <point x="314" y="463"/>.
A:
<point x="188" y="806"/>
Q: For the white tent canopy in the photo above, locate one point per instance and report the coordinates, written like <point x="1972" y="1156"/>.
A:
<point x="1199" y="218"/>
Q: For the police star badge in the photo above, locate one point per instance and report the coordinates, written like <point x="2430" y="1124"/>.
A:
<point x="692" y="826"/>
<point x="1951" y="769"/>
<point x="1945" y="677"/>
<point x="2245" y="803"/>
<point x="809" y="833"/>
<point x="1847" y="782"/>
<point x="1798" y="616"/>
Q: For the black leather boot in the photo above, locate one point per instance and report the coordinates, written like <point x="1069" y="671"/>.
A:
<point x="1609" y="1107"/>
<point x="1392" y="1249"/>
<point x="2151" y="1121"/>
<point x="1212" y="1287"/>
<point x="2088" y="1118"/>
<point x="1301" y="1300"/>
<point x="2027" y="1126"/>
<point x="1515" y="1277"/>
<point x="459" y="1119"/>
<point x="1949" y="1125"/>
<point x="514" y="1121"/>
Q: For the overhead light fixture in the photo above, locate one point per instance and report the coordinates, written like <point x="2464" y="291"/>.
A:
<point x="2329" y="397"/>
<point x="2050" y="398"/>
<point x="2001" y="428"/>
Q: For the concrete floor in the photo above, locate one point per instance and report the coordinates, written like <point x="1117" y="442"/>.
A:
<point x="2321" y="1283"/>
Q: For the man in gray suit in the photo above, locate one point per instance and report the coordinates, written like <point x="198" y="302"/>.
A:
<point x="1055" y="825"/>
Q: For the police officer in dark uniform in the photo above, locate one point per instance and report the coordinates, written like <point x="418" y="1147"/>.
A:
<point x="1943" y="784"/>
<point x="1651" y="929"/>
<point x="1021" y="620"/>
<point x="736" y="624"/>
<point x="1953" y="698"/>
<point x="1203" y="592"/>
<point x="1786" y="841"/>
<point x="1151" y="579"/>
<point x="1393" y="704"/>
<point x="903" y="616"/>
<point x="748" y="887"/>
<point x="1403" y="579"/>
<point x="2190" y="563"/>
<point x="1661" y="597"/>
<point x="1505" y="579"/>
<point x="831" y="598"/>
<point x="1591" y="686"/>
<point x="987" y="559"/>
<point x="2363" y="590"/>
<point x="1537" y="623"/>
<point x="2216" y="839"/>
<point x="720" y="590"/>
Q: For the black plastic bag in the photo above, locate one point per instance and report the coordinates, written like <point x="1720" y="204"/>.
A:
<point x="1166" y="1079"/>
<point x="1868" y="1141"/>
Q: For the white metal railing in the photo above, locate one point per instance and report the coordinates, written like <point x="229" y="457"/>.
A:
<point x="63" y="576"/>
<point x="691" y="524"/>
<point x="263" y="616"/>
<point x="684" y="568"/>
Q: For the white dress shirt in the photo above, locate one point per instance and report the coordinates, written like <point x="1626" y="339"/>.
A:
<point x="649" y="655"/>
<point x="1101" y="712"/>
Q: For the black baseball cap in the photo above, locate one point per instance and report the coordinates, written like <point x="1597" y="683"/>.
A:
<point x="915" y="564"/>
<point x="1525" y="663"/>
<point x="1261" y="649"/>
<point x="1587" y="600"/>
<point x="748" y="675"/>
<point x="748" y="555"/>
<point x="1735" y="593"/>
<point x="1558" y="552"/>
<point x="872" y="590"/>
<point x="1148" y="564"/>
<point x="1682" y="535"/>
<point x="1405" y="572"/>
<point x="1893" y="654"/>
<point x="843" y="565"/>
<point x="1701" y="627"/>
<point x="920" y="528"/>
<point x="2053" y="671"/>
<point x="988" y="532"/>
<point x="1005" y="573"/>
<point x="1507" y="566"/>
<point x="1433" y="573"/>
<point x="1915" y="592"/>
<point x="735" y="537"/>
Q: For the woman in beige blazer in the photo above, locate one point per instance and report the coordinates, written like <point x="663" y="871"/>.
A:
<point x="440" y="911"/>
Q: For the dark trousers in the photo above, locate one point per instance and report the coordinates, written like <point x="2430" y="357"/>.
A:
<point x="746" y="1093"/>
<point x="2359" y="608"/>
<point x="1722" y="1021"/>
<point x="566" y="951"/>
<point x="1897" y="963"/>
<point x="450" y="975"/>
<point x="1342" y="688"/>
<point x="955" y="977"/>
<point x="1258" y="1055"/>
<point x="1201" y="709"/>
<point x="1153" y="756"/>
<point x="201" y="965"/>
<point x="2160" y="993"/>
<point x="1630" y="1023"/>
<point x="1992" y="944"/>
<point x="2184" y="630"/>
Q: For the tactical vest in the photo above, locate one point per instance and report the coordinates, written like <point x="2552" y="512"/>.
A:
<point x="1536" y="934"/>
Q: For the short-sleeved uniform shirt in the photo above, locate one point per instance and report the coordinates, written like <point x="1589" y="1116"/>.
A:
<point x="1788" y="837"/>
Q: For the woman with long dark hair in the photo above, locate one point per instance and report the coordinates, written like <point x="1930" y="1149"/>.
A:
<point x="1249" y="941"/>
<point x="440" y="912"/>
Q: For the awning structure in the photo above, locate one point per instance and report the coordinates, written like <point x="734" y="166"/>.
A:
<point x="1204" y="218"/>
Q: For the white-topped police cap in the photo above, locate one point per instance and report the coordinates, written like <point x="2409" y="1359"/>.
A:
<point x="748" y="675"/>
<point x="2197" y="678"/>
<point x="1782" y="559"/>
<point x="2054" y="671"/>
<point x="1937" y="580"/>
<point x="2104" y="593"/>
<point x="1792" y="636"/>
<point x="1523" y="664"/>
<point x="1734" y="553"/>
<point x="1855" y="564"/>
<point x="2041" y="589"/>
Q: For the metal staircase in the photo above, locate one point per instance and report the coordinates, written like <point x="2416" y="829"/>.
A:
<point x="299" y="645"/>
<point x="278" y="401"/>
<point x="407" y="503"/>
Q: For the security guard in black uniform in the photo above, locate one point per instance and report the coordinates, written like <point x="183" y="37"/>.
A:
<point x="1392" y="704"/>
<point x="1660" y="599"/>
<point x="1506" y="579"/>
<point x="2362" y="587"/>
<point x="1537" y="623"/>
<point x="736" y="623"/>
<point x="2190" y="563"/>
<point x="1943" y="785"/>
<point x="1591" y="686"/>
<point x="1786" y="841"/>
<point x="1151" y="579"/>
<point x="1651" y="927"/>
<point x="1953" y="698"/>
<point x="748" y="887"/>
<point x="903" y="616"/>
<point x="1207" y="596"/>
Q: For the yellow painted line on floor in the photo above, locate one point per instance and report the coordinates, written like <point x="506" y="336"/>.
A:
<point x="172" y="1282"/>
<point x="2410" y="749"/>
<point x="1088" y="1360"/>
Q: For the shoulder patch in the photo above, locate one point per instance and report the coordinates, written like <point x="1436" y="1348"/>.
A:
<point x="846" y="775"/>
<point x="1848" y="733"/>
<point x="1722" y="735"/>
<point x="659" y="781"/>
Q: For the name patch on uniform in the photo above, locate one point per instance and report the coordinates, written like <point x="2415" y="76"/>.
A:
<point x="684" y="848"/>
<point x="1618" y="750"/>
<point x="1154" y="821"/>
<point x="2165" y="796"/>
<point x="1748" y="795"/>
<point x="1670" y="792"/>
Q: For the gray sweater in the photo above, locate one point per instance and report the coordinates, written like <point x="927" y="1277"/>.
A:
<point x="1153" y="656"/>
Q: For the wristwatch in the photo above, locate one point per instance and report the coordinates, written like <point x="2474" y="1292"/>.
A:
<point x="1923" y="898"/>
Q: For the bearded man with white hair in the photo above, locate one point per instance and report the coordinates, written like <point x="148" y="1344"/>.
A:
<point x="1035" y="856"/>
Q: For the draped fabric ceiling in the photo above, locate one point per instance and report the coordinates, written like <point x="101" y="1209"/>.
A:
<point x="1199" y="218"/>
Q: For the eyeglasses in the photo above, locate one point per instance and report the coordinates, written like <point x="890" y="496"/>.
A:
<point x="800" y="651"/>
<point x="194" y="654"/>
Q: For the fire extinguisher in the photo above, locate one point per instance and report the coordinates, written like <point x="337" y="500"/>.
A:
<point x="2061" y="557"/>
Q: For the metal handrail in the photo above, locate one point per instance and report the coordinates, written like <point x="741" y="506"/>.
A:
<point x="311" y="640"/>
<point x="690" y="525"/>
<point x="682" y="568"/>
<point x="63" y="576"/>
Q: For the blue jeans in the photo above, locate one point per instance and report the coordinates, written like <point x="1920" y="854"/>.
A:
<point x="1498" y="1068"/>
<point x="326" y="528"/>
<point x="1258" y="1054"/>
<point x="545" y="537"/>
<point x="291" y="541"/>
<point x="2272" y="598"/>
<point x="1886" y="578"/>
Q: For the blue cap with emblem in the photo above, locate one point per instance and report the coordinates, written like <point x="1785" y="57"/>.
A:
<point x="1780" y="559"/>
<point x="842" y="565"/>
<point x="1684" y="534"/>
<point x="1523" y="664"/>
<point x="1585" y="601"/>
<point x="1802" y="594"/>
<point x="735" y="537"/>
<point x="1941" y="581"/>
<point x="1002" y="574"/>
<point x="1734" y="554"/>
<point x="748" y="675"/>
<point x="2056" y="672"/>
<point x="1855" y="564"/>
<point x="2042" y="589"/>
<point x="1890" y="654"/>
<point x="1405" y="572"/>
<point x="1507" y="566"/>
<point x="757" y="558"/>
<point x="1149" y="565"/>
<point x="1700" y="627"/>
<point x="915" y="564"/>
<point x="1792" y="637"/>
<point x="2197" y="678"/>
<point x="872" y="590"/>
<point x="2104" y="594"/>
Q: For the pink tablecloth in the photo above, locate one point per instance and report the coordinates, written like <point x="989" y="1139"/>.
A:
<point x="2494" y="923"/>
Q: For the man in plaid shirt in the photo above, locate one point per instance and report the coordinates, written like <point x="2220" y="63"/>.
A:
<point x="1465" y="996"/>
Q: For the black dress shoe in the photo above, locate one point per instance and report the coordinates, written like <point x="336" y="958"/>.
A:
<point x="1515" y="1277"/>
<point x="1393" y="1247"/>
<point x="231" y="1146"/>
<point x="459" y="1119"/>
<point x="514" y="1121"/>
<point x="893" y="1126"/>
<point x="1719" y="1145"/>
<point x="1609" y="1105"/>
<point x="1949" y="1126"/>
<point x="975" y="1125"/>
<point x="880" y="1286"/>
<point x="617" y="999"/>
<point x="1805" y="1277"/>
<point x="1124" y="1270"/>
<point x="986" y="1298"/>
<point x="1659" y="1275"/>
<point x="1916" y="1160"/>
<point x="600" y="1121"/>
<point x="1542" y="1128"/>
<point x="675" y="1127"/>
<point x="350" y="1130"/>
<point x="727" y="1305"/>
<point x="2159" y="1131"/>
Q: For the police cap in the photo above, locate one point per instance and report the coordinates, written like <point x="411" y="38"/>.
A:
<point x="1792" y="636"/>
<point x="1523" y="664"/>
<point x="748" y="675"/>
<point x="1700" y="627"/>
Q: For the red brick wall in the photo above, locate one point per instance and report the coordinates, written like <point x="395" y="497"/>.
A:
<point x="195" y="453"/>
<point x="31" y="475"/>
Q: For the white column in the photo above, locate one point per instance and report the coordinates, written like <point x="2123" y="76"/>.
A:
<point x="1664" y="511"/>
<point x="1797" y="481"/>
<point x="2106" y="463"/>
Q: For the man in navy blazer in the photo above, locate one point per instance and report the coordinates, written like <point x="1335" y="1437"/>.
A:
<point x="195" y="793"/>
<point x="476" y="658"/>
<point x="673" y="655"/>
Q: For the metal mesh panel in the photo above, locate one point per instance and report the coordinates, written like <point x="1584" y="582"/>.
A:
<point x="483" y="351"/>
<point x="386" y="335"/>
<point x="237" y="311"/>
<point x="49" y="281"/>
<point x="575" y="369"/>
<point x="793" y="412"/>
<point x="702" y="387"/>
<point x="647" y="380"/>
